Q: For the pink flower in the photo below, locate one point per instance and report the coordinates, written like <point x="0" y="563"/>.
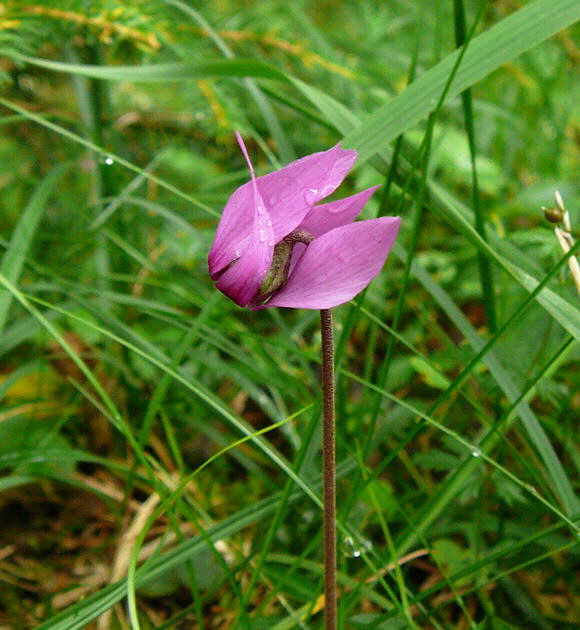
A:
<point x="275" y="247"/>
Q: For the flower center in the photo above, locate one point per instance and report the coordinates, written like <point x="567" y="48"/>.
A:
<point x="277" y="275"/>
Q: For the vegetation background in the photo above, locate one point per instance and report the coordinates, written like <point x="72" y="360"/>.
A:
<point x="160" y="447"/>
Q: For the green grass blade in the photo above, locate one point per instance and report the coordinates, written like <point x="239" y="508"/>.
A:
<point x="19" y="245"/>
<point x="144" y="349"/>
<point x="163" y="72"/>
<point x="485" y="272"/>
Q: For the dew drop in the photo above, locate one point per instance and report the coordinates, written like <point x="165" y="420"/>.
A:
<point x="352" y="548"/>
<point x="326" y="191"/>
<point x="271" y="243"/>
<point x="109" y="161"/>
<point x="476" y="453"/>
<point x="262" y="235"/>
<point x="311" y="195"/>
<point x="238" y="253"/>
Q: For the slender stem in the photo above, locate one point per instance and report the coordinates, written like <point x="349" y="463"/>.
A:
<point x="329" y="470"/>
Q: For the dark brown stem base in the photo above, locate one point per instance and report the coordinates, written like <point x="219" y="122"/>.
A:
<point x="329" y="470"/>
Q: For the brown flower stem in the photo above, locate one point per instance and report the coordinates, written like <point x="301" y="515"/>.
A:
<point x="329" y="470"/>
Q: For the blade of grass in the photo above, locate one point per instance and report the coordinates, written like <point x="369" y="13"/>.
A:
<point x="559" y="479"/>
<point x="162" y="72"/>
<point x="472" y="448"/>
<point x="23" y="235"/>
<point x="466" y="101"/>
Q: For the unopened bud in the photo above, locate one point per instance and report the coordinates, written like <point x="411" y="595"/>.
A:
<point x="554" y="215"/>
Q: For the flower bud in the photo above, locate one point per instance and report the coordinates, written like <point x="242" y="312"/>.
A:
<point x="553" y="215"/>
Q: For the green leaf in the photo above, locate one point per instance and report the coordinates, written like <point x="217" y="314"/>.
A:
<point x="162" y="72"/>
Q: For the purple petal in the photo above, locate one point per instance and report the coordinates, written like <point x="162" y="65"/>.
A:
<point x="233" y="231"/>
<point x="243" y="279"/>
<point x="339" y="264"/>
<point x="331" y="215"/>
<point x="236" y="225"/>
<point x="291" y="192"/>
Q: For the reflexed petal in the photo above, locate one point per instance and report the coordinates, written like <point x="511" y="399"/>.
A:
<point x="339" y="264"/>
<point x="331" y="215"/>
<point x="233" y="231"/>
<point x="290" y="192"/>
<point x="243" y="279"/>
<point x="237" y="222"/>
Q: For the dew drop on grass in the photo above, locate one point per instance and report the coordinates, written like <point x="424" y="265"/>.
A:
<point x="355" y="548"/>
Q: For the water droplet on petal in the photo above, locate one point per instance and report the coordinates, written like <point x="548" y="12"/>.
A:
<point x="261" y="210"/>
<point x="326" y="191"/>
<point x="262" y="235"/>
<point x="271" y="243"/>
<point x="238" y="253"/>
<point x="311" y="196"/>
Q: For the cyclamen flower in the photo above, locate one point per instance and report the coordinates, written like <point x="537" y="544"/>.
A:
<point x="275" y="247"/>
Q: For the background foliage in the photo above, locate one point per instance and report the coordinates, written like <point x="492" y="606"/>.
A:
<point x="160" y="446"/>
